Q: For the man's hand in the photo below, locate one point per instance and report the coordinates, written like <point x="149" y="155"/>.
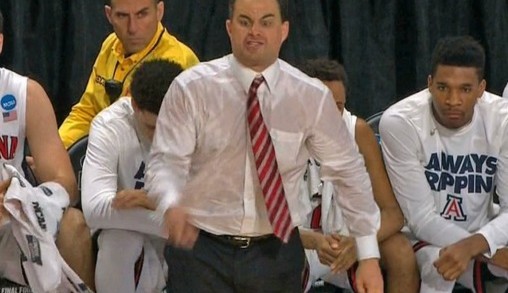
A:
<point x="368" y="276"/>
<point x="30" y="162"/>
<point x="454" y="259"/>
<point x="500" y="259"/>
<point x="181" y="233"/>
<point x="3" y="189"/>
<point x="133" y="198"/>
<point x="345" y="250"/>
<point x="326" y="249"/>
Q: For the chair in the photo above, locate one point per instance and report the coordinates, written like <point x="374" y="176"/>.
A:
<point x="77" y="152"/>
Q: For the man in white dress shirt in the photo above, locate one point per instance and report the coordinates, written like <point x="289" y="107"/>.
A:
<point x="204" y="170"/>
<point x="114" y="200"/>
<point x="446" y="153"/>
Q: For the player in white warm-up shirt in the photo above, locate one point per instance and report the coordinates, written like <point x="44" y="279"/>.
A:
<point x="446" y="152"/>
<point x="114" y="200"/>
<point x="329" y="250"/>
<point x="26" y="113"/>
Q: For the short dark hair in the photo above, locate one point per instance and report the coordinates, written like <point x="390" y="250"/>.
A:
<point x="151" y="81"/>
<point x="325" y="70"/>
<point x="461" y="51"/>
<point x="283" y="7"/>
<point x="1" y="23"/>
<point x="108" y="2"/>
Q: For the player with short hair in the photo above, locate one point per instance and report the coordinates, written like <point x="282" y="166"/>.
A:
<point x="446" y="152"/>
<point x="114" y="200"/>
<point x="329" y="249"/>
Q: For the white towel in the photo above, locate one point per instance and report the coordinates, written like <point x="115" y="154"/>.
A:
<point x="35" y="214"/>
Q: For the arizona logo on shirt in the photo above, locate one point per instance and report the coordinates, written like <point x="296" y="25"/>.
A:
<point x="453" y="209"/>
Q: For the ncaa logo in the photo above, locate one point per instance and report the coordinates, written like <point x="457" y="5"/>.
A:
<point x="8" y="102"/>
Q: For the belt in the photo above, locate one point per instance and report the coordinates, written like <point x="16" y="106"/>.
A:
<point x="239" y="241"/>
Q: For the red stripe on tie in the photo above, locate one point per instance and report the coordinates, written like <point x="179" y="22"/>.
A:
<point x="266" y="166"/>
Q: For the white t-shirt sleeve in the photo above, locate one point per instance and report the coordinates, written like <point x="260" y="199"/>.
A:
<point x="495" y="231"/>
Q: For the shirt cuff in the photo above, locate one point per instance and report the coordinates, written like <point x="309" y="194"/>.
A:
<point x="490" y="240"/>
<point x="367" y="247"/>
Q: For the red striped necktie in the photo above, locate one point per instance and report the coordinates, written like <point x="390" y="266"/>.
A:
<point x="267" y="168"/>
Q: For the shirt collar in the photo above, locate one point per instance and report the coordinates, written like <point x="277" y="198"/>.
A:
<point x="246" y="75"/>
<point x="119" y="51"/>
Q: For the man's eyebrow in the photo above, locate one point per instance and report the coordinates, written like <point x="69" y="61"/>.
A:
<point x="137" y="12"/>
<point x="250" y="19"/>
<point x="142" y="10"/>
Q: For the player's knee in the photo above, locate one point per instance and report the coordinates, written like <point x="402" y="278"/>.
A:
<point x="111" y="239"/>
<point x="73" y="228"/>
<point x="73" y="221"/>
<point x="397" y="253"/>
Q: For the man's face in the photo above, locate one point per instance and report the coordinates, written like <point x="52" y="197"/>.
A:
<point x="455" y="91"/>
<point x="134" y="22"/>
<point x="256" y="32"/>
<point x="146" y="121"/>
<point x="339" y="93"/>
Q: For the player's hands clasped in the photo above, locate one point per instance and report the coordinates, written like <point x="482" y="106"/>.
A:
<point x="133" y="198"/>
<point x="337" y="251"/>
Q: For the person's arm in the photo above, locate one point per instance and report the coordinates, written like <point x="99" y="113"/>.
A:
<point x="49" y="155"/>
<point x="170" y="159"/>
<point x="400" y="145"/>
<point x="495" y="231"/>
<point x="100" y="186"/>
<point x="392" y="219"/>
<point x="341" y="164"/>
<point x="77" y="123"/>
<point x="133" y="198"/>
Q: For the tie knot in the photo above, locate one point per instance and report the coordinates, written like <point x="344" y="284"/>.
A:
<point x="258" y="80"/>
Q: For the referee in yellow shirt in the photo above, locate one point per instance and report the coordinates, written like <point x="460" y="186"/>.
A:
<point x="138" y="36"/>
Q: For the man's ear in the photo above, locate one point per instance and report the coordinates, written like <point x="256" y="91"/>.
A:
<point x="228" y="27"/>
<point x="1" y="42"/>
<point x="134" y="105"/>
<point x="160" y="10"/>
<point x="107" y="11"/>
